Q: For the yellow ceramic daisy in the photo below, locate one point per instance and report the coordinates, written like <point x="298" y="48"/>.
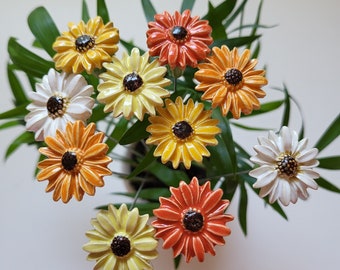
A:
<point x="121" y="239"/>
<point x="133" y="86"/>
<point x="182" y="132"/>
<point x="230" y="81"/>
<point x="85" y="46"/>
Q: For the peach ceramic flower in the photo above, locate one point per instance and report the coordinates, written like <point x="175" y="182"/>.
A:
<point x="230" y="81"/>
<point x="179" y="40"/>
<point x="121" y="239"/>
<point x="286" y="167"/>
<point x="85" y="46"/>
<point x="192" y="221"/>
<point x="133" y="86"/>
<point x="76" y="162"/>
<point x="182" y="132"/>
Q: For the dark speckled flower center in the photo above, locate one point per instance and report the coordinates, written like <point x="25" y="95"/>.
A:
<point x="84" y="43"/>
<point x="69" y="160"/>
<point x="233" y="76"/>
<point x="182" y="130"/>
<point x="193" y="221"/>
<point x="132" y="82"/>
<point x="287" y="165"/>
<point x="55" y="106"/>
<point x="120" y="246"/>
<point x="179" y="33"/>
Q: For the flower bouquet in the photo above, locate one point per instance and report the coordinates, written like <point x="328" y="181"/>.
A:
<point x="175" y="105"/>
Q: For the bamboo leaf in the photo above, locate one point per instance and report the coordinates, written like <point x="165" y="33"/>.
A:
<point x="236" y="42"/>
<point x="322" y="182"/>
<point x="286" y="112"/>
<point x="330" y="163"/>
<point x="136" y="132"/>
<point x="144" y="164"/>
<point x="168" y="176"/>
<point x="43" y="28"/>
<point x="16" y="87"/>
<point x="102" y="11"/>
<point x="242" y="209"/>
<point x="238" y="11"/>
<point x="25" y="137"/>
<point x="149" y="10"/>
<point x="143" y="208"/>
<point x="16" y="112"/>
<point x="150" y="194"/>
<point x="265" y="108"/>
<point x="85" y="15"/>
<point x="330" y="134"/>
<point x="117" y="133"/>
<point x="187" y="4"/>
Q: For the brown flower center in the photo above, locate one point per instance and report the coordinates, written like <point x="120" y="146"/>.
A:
<point x="69" y="160"/>
<point x="287" y="165"/>
<point x="233" y="76"/>
<point x="179" y="33"/>
<point x="182" y="130"/>
<point x="84" y="43"/>
<point x="132" y="82"/>
<point x="193" y="221"/>
<point x="120" y="246"/>
<point x="56" y="106"/>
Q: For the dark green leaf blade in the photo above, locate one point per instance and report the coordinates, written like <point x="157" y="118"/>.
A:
<point x="16" y="112"/>
<point x="187" y="4"/>
<point x="322" y="182"/>
<point x="85" y="15"/>
<point x="102" y="11"/>
<point x="16" y="87"/>
<point x="236" y="42"/>
<point x="330" y="163"/>
<point x="136" y="132"/>
<point x="149" y="10"/>
<point x="117" y="133"/>
<point x="242" y="209"/>
<point x="25" y="137"/>
<point x="144" y="164"/>
<point x="330" y="134"/>
<point x="43" y="28"/>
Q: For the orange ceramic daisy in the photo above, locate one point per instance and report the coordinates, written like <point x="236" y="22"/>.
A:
<point x="192" y="221"/>
<point x="179" y="40"/>
<point x="85" y="46"/>
<point x="230" y="81"/>
<point x="76" y="161"/>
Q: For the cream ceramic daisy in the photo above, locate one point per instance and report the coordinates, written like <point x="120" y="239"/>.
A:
<point x="58" y="99"/>
<point x="133" y="86"/>
<point x="285" y="167"/>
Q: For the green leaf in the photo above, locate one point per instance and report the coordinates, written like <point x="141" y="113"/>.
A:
<point x="85" y="15"/>
<point x="149" y="10"/>
<point x="117" y="133"/>
<point x="169" y="176"/>
<point x="286" y="112"/>
<point x="238" y="11"/>
<point x="242" y="209"/>
<point x="25" y="137"/>
<point x="236" y="42"/>
<point x="248" y="127"/>
<point x="265" y="108"/>
<point x="43" y="28"/>
<point x="150" y="194"/>
<point x="16" y="87"/>
<point x="322" y="182"/>
<point x="27" y="61"/>
<point x="144" y="164"/>
<point x="129" y="45"/>
<point x="12" y="123"/>
<point x="97" y="113"/>
<point x="177" y="260"/>
<point x="330" y="163"/>
<point x="136" y="132"/>
<point x="16" y="112"/>
<point x="330" y="134"/>
<point x="102" y="11"/>
<point x="143" y="208"/>
<point x="187" y="4"/>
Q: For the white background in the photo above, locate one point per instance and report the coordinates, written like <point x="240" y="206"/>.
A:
<point x="302" y="52"/>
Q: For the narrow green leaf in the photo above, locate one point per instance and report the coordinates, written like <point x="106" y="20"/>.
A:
<point x="322" y="182"/>
<point x="136" y="132"/>
<point x="242" y="209"/>
<point x="27" y="61"/>
<point x="144" y="164"/>
<point x="97" y="113"/>
<point x="149" y="10"/>
<point x="330" y="163"/>
<point x="187" y="4"/>
<point x="238" y="11"/>
<point x="129" y="45"/>
<point x="265" y="108"/>
<point x="168" y="176"/>
<point x="248" y="127"/>
<point x="16" y="112"/>
<point x="150" y="194"/>
<point x="25" y="137"/>
<point x="330" y="134"/>
<point x="117" y="133"/>
<point x="85" y="15"/>
<point x="102" y="11"/>
<point x="257" y="19"/>
<point x="16" y="87"/>
<point x="286" y="111"/>
<point x="236" y="42"/>
<point x="177" y="260"/>
<point x="12" y="123"/>
<point x="143" y="208"/>
<point x="43" y="28"/>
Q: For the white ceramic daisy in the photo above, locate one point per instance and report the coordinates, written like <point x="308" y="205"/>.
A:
<point x="285" y="167"/>
<point x="58" y="99"/>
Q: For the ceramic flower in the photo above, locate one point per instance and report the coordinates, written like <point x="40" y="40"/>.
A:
<point x="76" y="162"/>
<point x="192" y="221"/>
<point x="133" y="86"/>
<point x="58" y="99"/>
<point x="179" y="40"/>
<point x="230" y="81"/>
<point x="182" y="132"/>
<point x="85" y="46"/>
<point x="121" y="239"/>
<point x="285" y="167"/>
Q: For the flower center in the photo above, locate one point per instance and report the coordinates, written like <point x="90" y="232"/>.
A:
<point x="193" y="221"/>
<point x="120" y="246"/>
<point x="84" y="43"/>
<point x="182" y="130"/>
<point x="287" y="165"/>
<point x="56" y="106"/>
<point x="233" y="76"/>
<point x="132" y="82"/>
<point x="69" y="160"/>
<point x="179" y="33"/>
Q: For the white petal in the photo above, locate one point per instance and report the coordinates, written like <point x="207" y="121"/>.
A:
<point x="285" y="192"/>
<point x="301" y="145"/>
<point x="265" y="178"/>
<point x="265" y="153"/>
<point x="305" y="178"/>
<point x="307" y="155"/>
<point x="286" y="139"/>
